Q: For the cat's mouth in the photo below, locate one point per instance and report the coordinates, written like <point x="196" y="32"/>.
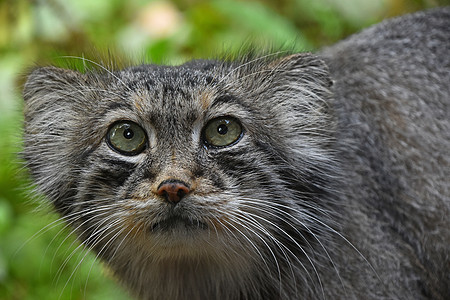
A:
<point x="178" y="222"/>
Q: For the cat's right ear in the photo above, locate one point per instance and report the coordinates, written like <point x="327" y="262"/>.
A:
<point x="51" y="95"/>
<point x="46" y="81"/>
<point x="50" y="92"/>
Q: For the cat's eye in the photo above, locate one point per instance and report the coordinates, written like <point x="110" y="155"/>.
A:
<point x="126" y="137"/>
<point x="222" y="132"/>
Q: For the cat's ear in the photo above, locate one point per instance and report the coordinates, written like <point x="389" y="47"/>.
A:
<point x="50" y="119"/>
<point x="294" y="92"/>
<point x="49" y="81"/>
<point x="303" y="69"/>
<point x="293" y="79"/>
<point x="296" y="81"/>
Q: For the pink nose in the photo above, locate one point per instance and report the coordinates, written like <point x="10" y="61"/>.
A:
<point x="173" y="190"/>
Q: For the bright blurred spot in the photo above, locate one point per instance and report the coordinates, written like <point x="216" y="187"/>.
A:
<point x="159" y="19"/>
<point x="153" y="22"/>
<point x="359" y="12"/>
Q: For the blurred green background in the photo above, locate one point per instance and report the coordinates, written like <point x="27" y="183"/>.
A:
<point x="40" y="261"/>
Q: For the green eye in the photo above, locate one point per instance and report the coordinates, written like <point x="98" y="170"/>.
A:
<point x="126" y="137"/>
<point x="222" y="132"/>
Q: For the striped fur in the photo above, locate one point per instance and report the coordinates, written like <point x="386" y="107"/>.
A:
<point x="335" y="191"/>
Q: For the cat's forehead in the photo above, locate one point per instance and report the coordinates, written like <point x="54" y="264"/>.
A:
<point x="189" y="75"/>
<point x="191" y="87"/>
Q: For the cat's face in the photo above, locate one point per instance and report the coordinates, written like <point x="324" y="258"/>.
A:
<point x="206" y="159"/>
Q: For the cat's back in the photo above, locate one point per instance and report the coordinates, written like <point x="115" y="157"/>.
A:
<point x="392" y="100"/>
<point x="392" y="95"/>
<point x="403" y="61"/>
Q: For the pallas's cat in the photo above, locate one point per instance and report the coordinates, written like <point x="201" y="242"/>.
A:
<point x="296" y="177"/>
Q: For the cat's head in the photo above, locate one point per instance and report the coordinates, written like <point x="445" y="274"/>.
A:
<point x="207" y="158"/>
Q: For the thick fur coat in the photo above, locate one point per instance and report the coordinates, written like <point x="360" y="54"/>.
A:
<point x="330" y="179"/>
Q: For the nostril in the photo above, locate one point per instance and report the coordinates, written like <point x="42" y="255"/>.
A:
<point x="181" y="193"/>
<point x="173" y="190"/>
<point x="163" y="193"/>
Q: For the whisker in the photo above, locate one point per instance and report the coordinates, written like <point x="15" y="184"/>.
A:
<point x="256" y="248"/>
<point x="86" y="248"/>
<point x="100" y="66"/>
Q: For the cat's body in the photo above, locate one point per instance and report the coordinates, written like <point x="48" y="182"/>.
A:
<point x="320" y="179"/>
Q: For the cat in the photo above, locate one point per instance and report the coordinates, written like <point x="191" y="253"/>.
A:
<point x="300" y="176"/>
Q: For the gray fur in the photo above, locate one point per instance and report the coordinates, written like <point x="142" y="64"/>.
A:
<point x="338" y="189"/>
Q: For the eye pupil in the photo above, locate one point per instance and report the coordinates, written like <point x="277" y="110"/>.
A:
<point x="128" y="133"/>
<point x="222" y="129"/>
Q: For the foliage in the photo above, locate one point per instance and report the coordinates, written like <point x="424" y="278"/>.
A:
<point x="38" y="260"/>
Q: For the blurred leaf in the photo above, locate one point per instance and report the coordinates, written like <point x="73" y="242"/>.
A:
<point x="256" y="20"/>
<point x="6" y="215"/>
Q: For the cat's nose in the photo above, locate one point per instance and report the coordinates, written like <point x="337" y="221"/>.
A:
<point x="173" y="190"/>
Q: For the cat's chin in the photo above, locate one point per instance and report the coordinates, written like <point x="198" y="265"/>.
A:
<point x="175" y="224"/>
<point x="178" y="232"/>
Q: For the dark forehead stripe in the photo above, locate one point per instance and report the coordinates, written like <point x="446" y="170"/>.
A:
<point x="231" y="100"/>
<point x="225" y="99"/>
<point x="120" y="104"/>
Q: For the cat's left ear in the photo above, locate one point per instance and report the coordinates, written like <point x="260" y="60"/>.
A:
<point x="304" y="69"/>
